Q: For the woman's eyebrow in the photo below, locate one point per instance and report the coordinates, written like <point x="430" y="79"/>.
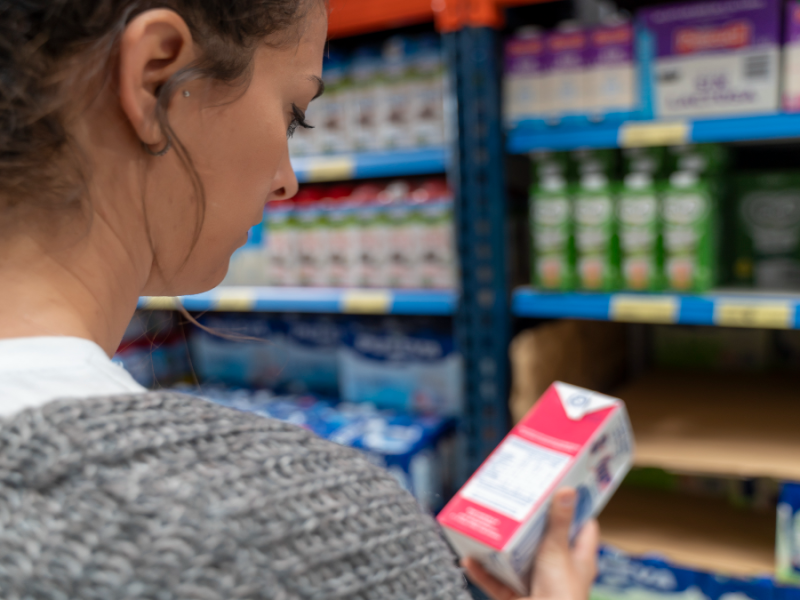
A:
<point x="320" y="86"/>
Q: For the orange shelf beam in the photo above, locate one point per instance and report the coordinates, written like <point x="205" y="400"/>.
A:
<point x="354" y="17"/>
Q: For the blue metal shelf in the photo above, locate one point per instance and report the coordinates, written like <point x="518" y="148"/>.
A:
<point x="313" y="300"/>
<point x="655" y="133"/>
<point x="396" y="163"/>
<point x="721" y="308"/>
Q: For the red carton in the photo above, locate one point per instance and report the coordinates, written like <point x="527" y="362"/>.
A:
<point x="573" y="438"/>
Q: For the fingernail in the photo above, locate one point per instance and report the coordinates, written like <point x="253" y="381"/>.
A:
<point x="566" y="500"/>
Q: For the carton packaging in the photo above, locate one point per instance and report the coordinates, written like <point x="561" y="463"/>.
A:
<point x="596" y="236"/>
<point x="768" y="230"/>
<point x="571" y="438"/>
<point x="567" y="75"/>
<point x="712" y="58"/>
<point x="552" y="232"/>
<point x="640" y="233"/>
<point x="526" y="88"/>
<point x="613" y="87"/>
<point x="791" y="57"/>
<point x="690" y="233"/>
<point x="787" y="554"/>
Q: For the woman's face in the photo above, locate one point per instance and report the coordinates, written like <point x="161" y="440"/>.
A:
<point x="237" y="140"/>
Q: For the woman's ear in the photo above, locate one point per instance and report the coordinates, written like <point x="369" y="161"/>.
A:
<point x="154" y="46"/>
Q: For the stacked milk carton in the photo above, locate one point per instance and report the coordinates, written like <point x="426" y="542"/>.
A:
<point x="655" y="229"/>
<point x="372" y="235"/>
<point x="406" y="365"/>
<point x="570" y="75"/>
<point x="378" y="98"/>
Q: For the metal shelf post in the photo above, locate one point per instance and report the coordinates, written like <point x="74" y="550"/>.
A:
<point x="482" y="320"/>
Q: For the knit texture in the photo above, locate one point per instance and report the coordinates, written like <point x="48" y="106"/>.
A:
<point x="164" y="496"/>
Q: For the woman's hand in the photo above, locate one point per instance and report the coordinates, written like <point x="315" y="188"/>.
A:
<point x="560" y="571"/>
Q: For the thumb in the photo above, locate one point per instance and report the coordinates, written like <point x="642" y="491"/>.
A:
<point x="561" y="513"/>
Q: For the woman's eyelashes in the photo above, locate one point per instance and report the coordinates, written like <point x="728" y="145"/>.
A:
<point x="298" y="120"/>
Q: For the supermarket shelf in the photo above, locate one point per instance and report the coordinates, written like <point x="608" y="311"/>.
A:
<point x="655" y="133"/>
<point x="723" y="308"/>
<point x="700" y="533"/>
<point x="718" y="424"/>
<point x="353" y="17"/>
<point x="396" y="163"/>
<point x="312" y="300"/>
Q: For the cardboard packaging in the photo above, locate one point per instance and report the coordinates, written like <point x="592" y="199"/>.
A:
<point x="571" y="438"/>
<point x="613" y="82"/>
<point x="787" y="541"/>
<point x="791" y="57"/>
<point x="526" y="91"/>
<point x="712" y="58"/>
<point x="567" y="75"/>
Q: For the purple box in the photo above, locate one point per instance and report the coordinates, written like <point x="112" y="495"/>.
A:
<point x="713" y="58"/>
<point x="525" y="90"/>
<point x="569" y="56"/>
<point x="791" y="57"/>
<point x="613" y="84"/>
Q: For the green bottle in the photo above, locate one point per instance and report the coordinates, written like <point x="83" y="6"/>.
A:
<point x="690" y="236"/>
<point x="640" y="239"/>
<point x="553" y="244"/>
<point x="596" y="236"/>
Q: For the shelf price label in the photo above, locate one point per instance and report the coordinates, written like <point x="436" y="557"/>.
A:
<point x="367" y="302"/>
<point x="761" y="314"/>
<point x="160" y="302"/>
<point x="333" y="168"/>
<point x="656" y="133"/>
<point x="631" y="308"/>
<point x="235" y="299"/>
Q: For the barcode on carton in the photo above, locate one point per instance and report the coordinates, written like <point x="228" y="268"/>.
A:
<point x="757" y="66"/>
<point x="516" y="477"/>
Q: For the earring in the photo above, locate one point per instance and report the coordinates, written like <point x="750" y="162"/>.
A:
<point x="161" y="152"/>
<point x="186" y="93"/>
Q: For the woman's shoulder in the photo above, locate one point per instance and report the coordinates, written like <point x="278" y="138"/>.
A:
<point x="166" y="491"/>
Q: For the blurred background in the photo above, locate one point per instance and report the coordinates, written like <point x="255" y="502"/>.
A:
<point x="498" y="194"/>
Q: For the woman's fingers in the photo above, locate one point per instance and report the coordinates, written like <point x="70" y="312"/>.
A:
<point x="584" y="553"/>
<point x="560" y="521"/>
<point x="486" y="581"/>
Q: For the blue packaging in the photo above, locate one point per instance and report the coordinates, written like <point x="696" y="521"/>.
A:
<point x="153" y="350"/>
<point x="406" y="366"/>
<point x="247" y="351"/>
<point x="311" y="345"/>
<point x="787" y="539"/>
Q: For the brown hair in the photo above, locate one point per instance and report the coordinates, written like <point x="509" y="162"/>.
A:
<point x="44" y="42"/>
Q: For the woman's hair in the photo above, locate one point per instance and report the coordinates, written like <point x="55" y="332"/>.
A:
<point x="53" y="50"/>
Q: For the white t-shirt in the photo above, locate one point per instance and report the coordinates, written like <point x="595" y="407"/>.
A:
<point x="36" y="370"/>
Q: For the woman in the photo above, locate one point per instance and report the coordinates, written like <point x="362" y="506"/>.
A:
<point x="139" y="141"/>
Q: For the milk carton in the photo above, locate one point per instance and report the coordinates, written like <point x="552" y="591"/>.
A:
<point x="690" y="233"/>
<point x="282" y="255"/>
<point x="791" y="57"/>
<point x="403" y="366"/>
<point x="712" y="58"/>
<point x="613" y="91"/>
<point x="427" y="95"/>
<point x="596" y="235"/>
<point x="640" y="233"/>
<point x="570" y="438"/>
<point x="395" y="94"/>
<point x="567" y="75"/>
<point x="526" y="89"/>
<point x="787" y="555"/>
<point x="331" y="109"/>
<point x="362" y="110"/>
<point x="552" y="234"/>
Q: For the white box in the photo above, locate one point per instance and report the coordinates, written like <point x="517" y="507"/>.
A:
<point x="572" y="437"/>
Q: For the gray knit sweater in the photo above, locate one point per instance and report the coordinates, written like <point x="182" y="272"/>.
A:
<point x="163" y="496"/>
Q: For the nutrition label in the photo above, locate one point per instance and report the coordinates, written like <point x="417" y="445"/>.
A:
<point x="515" y="477"/>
